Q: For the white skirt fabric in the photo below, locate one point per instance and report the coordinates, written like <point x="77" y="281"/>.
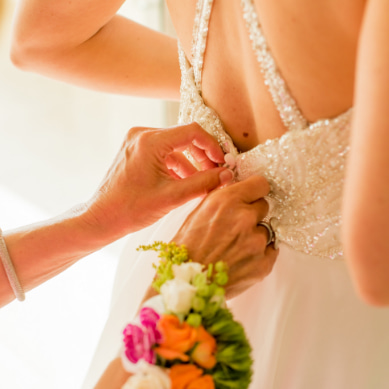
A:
<point x="307" y="327"/>
<point x="309" y="330"/>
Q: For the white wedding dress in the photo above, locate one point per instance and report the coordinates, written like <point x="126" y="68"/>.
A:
<point x="307" y="327"/>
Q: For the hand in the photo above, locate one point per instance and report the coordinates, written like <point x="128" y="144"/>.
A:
<point x="224" y="227"/>
<point x="150" y="177"/>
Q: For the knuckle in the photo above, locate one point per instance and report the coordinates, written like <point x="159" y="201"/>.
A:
<point x="210" y="182"/>
<point x="264" y="182"/>
<point x="143" y="139"/>
<point x="134" y="131"/>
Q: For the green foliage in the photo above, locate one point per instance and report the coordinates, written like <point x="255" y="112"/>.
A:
<point x="198" y="304"/>
<point x="233" y="369"/>
<point x="170" y="255"/>
<point x="234" y="362"/>
<point x="194" y="320"/>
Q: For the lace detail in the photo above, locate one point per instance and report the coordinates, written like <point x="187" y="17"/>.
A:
<point x="305" y="167"/>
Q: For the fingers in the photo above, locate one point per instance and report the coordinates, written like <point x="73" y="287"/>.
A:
<point x="250" y="190"/>
<point x="261" y="209"/>
<point x="200" y="184"/>
<point x="179" y="164"/>
<point x="181" y="137"/>
<point x="201" y="158"/>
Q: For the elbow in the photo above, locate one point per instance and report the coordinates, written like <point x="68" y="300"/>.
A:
<point x="371" y="288"/>
<point x="30" y="48"/>
<point x="373" y="296"/>
<point x="22" y="53"/>
<point x="17" y="57"/>
<point x="368" y="263"/>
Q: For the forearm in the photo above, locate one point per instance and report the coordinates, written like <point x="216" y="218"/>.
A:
<point x="366" y="205"/>
<point x="134" y="194"/>
<point x="43" y="250"/>
<point x="86" y="44"/>
<point x="114" y="377"/>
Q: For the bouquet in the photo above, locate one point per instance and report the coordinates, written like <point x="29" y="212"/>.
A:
<point x="185" y="337"/>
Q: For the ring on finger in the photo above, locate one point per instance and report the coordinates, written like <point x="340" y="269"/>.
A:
<point x="272" y="237"/>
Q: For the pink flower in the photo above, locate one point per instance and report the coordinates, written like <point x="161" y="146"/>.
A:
<point x="139" y="340"/>
<point x="148" y="317"/>
<point x="133" y="343"/>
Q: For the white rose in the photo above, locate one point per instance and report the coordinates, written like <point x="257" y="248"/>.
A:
<point x="178" y="295"/>
<point x="155" y="303"/>
<point x="147" y="377"/>
<point x="187" y="271"/>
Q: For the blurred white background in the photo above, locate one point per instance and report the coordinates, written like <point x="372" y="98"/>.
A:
<point x="56" y="143"/>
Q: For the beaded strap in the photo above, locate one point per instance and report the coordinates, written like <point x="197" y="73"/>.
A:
<point x="290" y="114"/>
<point x="200" y="34"/>
<point x="10" y="270"/>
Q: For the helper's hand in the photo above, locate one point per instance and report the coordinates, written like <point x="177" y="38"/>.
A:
<point x="224" y="227"/>
<point x="150" y="176"/>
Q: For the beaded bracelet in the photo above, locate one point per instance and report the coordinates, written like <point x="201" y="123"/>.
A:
<point x="10" y="270"/>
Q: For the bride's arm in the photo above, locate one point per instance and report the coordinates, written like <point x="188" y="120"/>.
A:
<point x="86" y="43"/>
<point x="366" y="197"/>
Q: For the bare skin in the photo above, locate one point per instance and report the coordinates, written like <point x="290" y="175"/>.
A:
<point x="86" y="43"/>
<point x="317" y="61"/>
<point x="134" y="193"/>
<point x="330" y="61"/>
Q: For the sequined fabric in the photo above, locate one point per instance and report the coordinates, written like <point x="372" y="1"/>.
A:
<point x="305" y="167"/>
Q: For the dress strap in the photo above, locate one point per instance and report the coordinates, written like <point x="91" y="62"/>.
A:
<point x="199" y="39"/>
<point x="286" y="105"/>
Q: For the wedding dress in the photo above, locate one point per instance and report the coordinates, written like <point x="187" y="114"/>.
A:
<point x="307" y="327"/>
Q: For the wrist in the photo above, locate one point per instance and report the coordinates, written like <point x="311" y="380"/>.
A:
<point x="94" y="226"/>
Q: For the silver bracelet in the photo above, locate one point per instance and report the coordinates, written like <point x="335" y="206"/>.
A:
<point x="10" y="270"/>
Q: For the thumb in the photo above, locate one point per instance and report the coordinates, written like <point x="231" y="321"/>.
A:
<point x="202" y="182"/>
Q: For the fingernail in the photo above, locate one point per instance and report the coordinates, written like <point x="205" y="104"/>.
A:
<point x="226" y="176"/>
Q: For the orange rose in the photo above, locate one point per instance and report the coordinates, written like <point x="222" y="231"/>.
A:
<point x="203" y="382"/>
<point x="177" y="338"/>
<point x="189" y="377"/>
<point x="204" y="352"/>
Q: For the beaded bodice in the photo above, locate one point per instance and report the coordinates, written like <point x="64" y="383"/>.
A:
<point x="305" y="166"/>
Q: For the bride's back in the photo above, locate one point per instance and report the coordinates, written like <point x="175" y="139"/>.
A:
<point x="314" y="45"/>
